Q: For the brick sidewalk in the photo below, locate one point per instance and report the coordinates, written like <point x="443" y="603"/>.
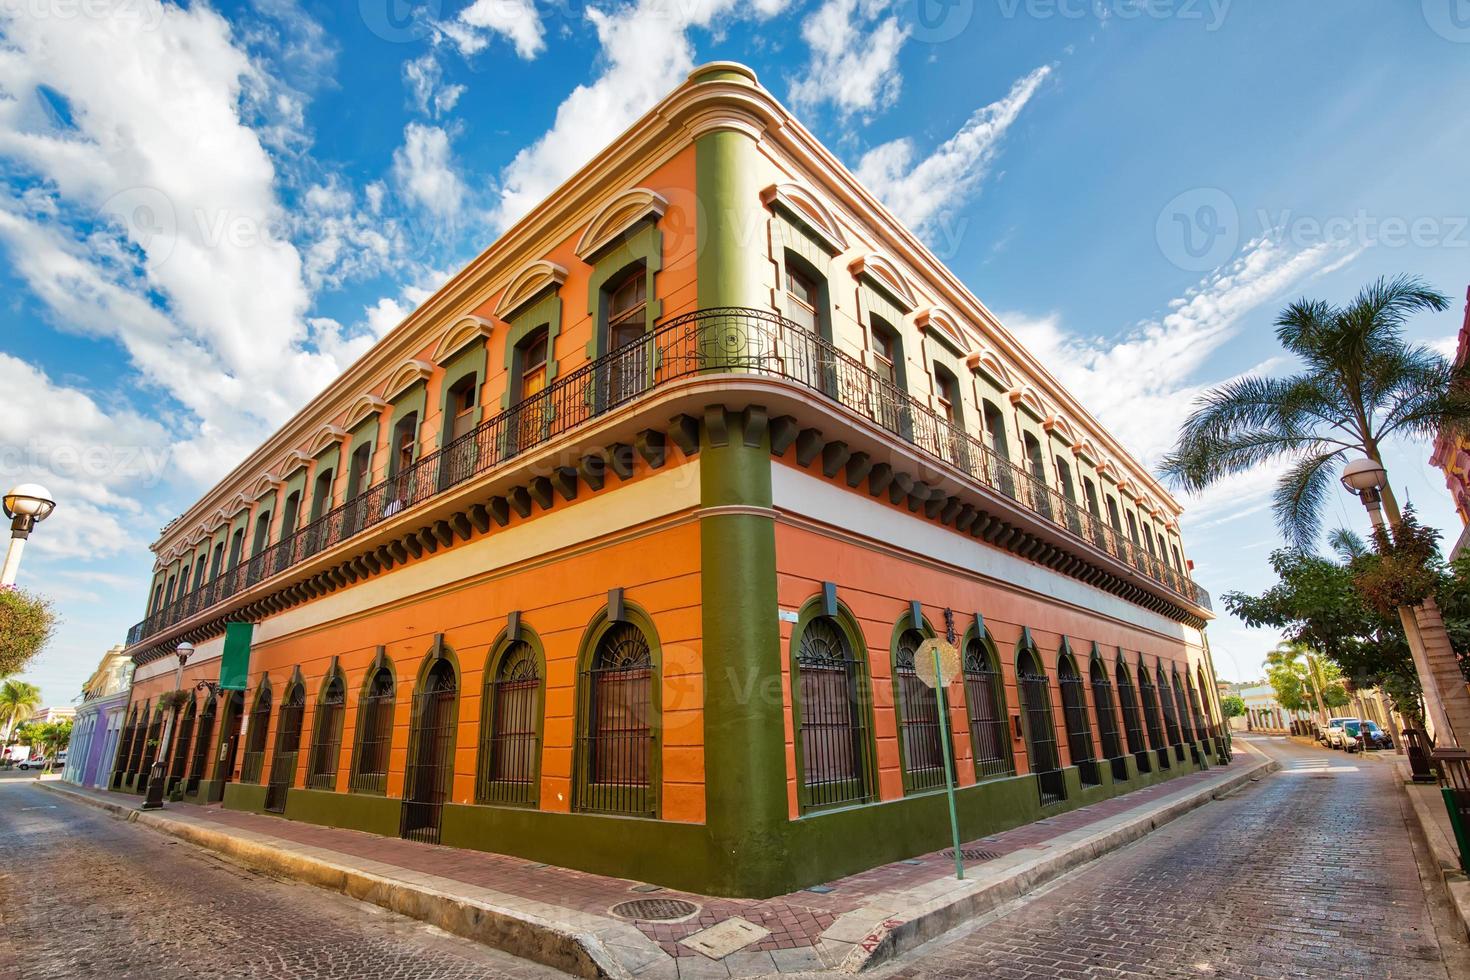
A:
<point x="796" y="921"/>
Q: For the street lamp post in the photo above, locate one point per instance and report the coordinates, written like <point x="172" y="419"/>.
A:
<point x="1367" y="480"/>
<point x="26" y="505"/>
<point x="157" y="776"/>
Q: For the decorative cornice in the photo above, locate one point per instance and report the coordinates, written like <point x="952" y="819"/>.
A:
<point x="880" y="271"/>
<point x="409" y="373"/>
<point x="466" y="330"/>
<point x="617" y="218"/>
<point x="527" y="285"/>
<point x="803" y="206"/>
<point x="364" y="408"/>
<point x="325" y="436"/>
<point x="941" y="323"/>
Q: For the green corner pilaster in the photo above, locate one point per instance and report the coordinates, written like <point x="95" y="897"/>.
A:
<point x="745" y="789"/>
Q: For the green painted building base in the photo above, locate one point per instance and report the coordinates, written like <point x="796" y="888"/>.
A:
<point x="249" y="797"/>
<point x="207" y="791"/>
<point x="350" y="811"/>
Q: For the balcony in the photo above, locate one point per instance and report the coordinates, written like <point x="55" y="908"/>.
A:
<point x="704" y="342"/>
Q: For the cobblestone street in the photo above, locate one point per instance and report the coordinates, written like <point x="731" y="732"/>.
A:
<point x="1309" y="873"/>
<point x="86" y="895"/>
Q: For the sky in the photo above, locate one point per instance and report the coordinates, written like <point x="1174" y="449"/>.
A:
<point x="208" y="211"/>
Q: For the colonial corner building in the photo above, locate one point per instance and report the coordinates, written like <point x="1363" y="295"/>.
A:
<point x="616" y="553"/>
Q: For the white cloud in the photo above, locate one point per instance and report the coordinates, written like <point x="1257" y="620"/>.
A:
<point x="646" y="52"/>
<point x="424" y="170"/>
<point x="425" y="79"/>
<point x="1163" y="359"/>
<point x="515" y="20"/>
<point x="854" y="57"/>
<point x="916" y="191"/>
<point x="93" y="460"/>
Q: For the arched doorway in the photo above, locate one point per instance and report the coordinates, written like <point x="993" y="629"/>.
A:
<point x="288" y="747"/>
<point x="183" y="743"/>
<point x="1079" y="726"/>
<point x="430" y="774"/>
<point x="229" y="749"/>
<point x="1041" y="734"/>
<point x="202" y="739"/>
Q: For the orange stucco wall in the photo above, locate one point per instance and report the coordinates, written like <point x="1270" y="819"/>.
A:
<point x="878" y="586"/>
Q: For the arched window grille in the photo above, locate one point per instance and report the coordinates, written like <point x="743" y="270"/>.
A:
<point x="182" y="743"/>
<point x="1149" y="695"/>
<point x="326" y="735"/>
<point x="253" y="762"/>
<point x="150" y="746"/>
<point x="1171" y="713"/>
<point x="1132" y="719"/>
<point x="288" y="748"/>
<point x="429" y="775"/>
<point x="1041" y="734"/>
<point x="121" y="768"/>
<point x="510" y="729"/>
<point x="985" y="698"/>
<point x="1079" y="726"/>
<point x="919" y="730"/>
<point x="618" y="740"/>
<point x="202" y="740"/>
<point x="831" y="719"/>
<point x="1107" y="720"/>
<point x="1186" y="717"/>
<point x="374" y="736"/>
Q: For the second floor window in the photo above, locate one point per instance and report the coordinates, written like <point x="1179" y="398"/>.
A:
<point x="801" y="299"/>
<point x="885" y="355"/>
<point x="462" y="405"/>
<point x="947" y="390"/>
<point x="533" y="364"/>
<point x="627" y="311"/>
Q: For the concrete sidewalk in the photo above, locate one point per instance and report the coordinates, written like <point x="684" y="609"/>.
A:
<point x="565" y="918"/>
<point x="1427" y="801"/>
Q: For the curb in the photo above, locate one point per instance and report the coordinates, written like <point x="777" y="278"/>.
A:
<point x="597" y="950"/>
<point x="1444" y="851"/>
<point x="969" y="899"/>
<point x="515" y="932"/>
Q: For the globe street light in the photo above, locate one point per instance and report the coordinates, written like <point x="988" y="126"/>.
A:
<point x="1367" y="480"/>
<point x="25" y="505"/>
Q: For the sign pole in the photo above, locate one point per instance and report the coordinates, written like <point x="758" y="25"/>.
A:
<point x="954" y="820"/>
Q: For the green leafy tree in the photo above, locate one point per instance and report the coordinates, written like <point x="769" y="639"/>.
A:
<point x="1302" y="681"/>
<point x="26" y="625"/>
<point x="1233" y="705"/>
<point x="1360" y="386"/>
<point x="18" y="701"/>
<point x="52" y="737"/>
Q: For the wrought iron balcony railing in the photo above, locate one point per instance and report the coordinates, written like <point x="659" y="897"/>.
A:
<point x="729" y="339"/>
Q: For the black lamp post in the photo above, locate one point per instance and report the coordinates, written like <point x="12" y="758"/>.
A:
<point x="158" y="775"/>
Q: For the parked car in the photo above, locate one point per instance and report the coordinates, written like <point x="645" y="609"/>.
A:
<point x="34" y="763"/>
<point x="1334" y="731"/>
<point x="1353" y="732"/>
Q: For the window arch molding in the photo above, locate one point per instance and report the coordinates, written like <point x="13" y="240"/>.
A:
<point x="518" y="713"/>
<point x="991" y="748"/>
<point x="920" y="734"/>
<point x="630" y="796"/>
<point x="863" y="787"/>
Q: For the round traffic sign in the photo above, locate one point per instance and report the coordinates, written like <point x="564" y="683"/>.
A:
<point x="949" y="661"/>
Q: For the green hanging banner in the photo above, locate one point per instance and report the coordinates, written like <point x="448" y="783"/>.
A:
<point x="234" y="664"/>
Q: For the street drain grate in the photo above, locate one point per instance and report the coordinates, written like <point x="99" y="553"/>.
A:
<point x="655" y="909"/>
<point x="973" y="854"/>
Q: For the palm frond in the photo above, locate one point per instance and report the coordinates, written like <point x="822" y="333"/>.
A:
<point x="1299" y="497"/>
<point x="1348" y="544"/>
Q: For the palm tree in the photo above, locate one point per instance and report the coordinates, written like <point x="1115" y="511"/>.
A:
<point x="1360" y="386"/>
<point x="18" y="701"/>
<point x="1319" y="680"/>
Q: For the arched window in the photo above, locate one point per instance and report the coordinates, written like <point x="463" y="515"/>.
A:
<point x="253" y="764"/>
<point x="1149" y="695"/>
<point x="1205" y="710"/>
<point x="617" y="724"/>
<point x="428" y="778"/>
<point x="202" y="741"/>
<point x="374" y="735"/>
<point x="830" y="714"/>
<point x="1187" y="711"/>
<point x="262" y="533"/>
<point x="237" y="545"/>
<point x="510" y="726"/>
<point x="326" y="734"/>
<point x="288" y="747"/>
<point x="183" y="741"/>
<point x="806" y="296"/>
<point x="1171" y="712"/>
<point x="890" y="403"/>
<point x="1041" y="734"/>
<point x="1132" y="719"/>
<point x="626" y="303"/>
<point x="151" y="738"/>
<point x="920" y="735"/>
<point x="995" y="437"/>
<point x="1079" y="725"/>
<point x="217" y="563"/>
<point x="121" y="768"/>
<point x="533" y="416"/>
<point x="1107" y="720"/>
<point x="1036" y="462"/>
<point x="985" y="700"/>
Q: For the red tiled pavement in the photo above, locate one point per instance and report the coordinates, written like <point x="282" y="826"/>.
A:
<point x="795" y="920"/>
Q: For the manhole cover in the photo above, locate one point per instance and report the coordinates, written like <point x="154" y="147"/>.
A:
<point x="973" y="854"/>
<point x="657" y="909"/>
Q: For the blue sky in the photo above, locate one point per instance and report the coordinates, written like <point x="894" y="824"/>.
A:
<point x="208" y="211"/>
